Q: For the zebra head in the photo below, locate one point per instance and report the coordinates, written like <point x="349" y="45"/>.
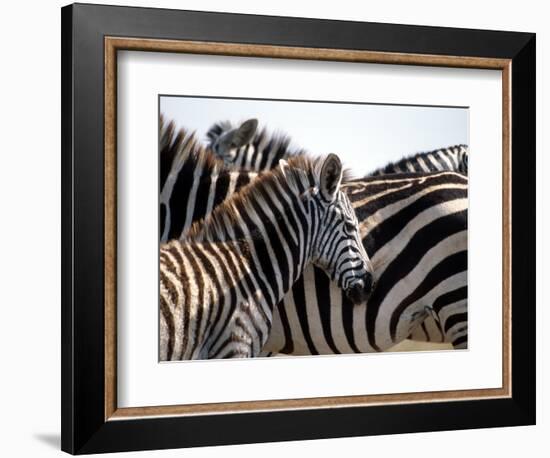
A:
<point x="337" y="247"/>
<point x="226" y="141"/>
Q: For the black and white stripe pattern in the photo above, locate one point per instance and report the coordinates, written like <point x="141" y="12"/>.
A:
<point x="242" y="148"/>
<point x="414" y="229"/>
<point x="453" y="158"/>
<point x="326" y="299"/>
<point x="219" y="285"/>
<point x="192" y="182"/>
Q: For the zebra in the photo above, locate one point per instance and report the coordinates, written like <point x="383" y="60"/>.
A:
<point x="241" y="148"/>
<point x="454" y="158"/>
<point x="219" y="285"/>
<point x="414" y="230"/>
<point x="193" y="181"/>
<point x="230" y="144"/>
<point x="292" y="312"/>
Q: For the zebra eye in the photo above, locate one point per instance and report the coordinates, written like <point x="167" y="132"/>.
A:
<point x="349" y="227"/>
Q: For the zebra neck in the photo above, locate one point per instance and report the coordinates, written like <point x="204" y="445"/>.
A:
<point x="192" y="195"/>
<point x="261" y="155"/>
<point x="275" y="232"/>
<point x="259" y="268"/>
<point x="276" y="260"/>
<point x="246" y="157"/>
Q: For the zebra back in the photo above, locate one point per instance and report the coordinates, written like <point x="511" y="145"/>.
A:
<point x="452" y="158"/>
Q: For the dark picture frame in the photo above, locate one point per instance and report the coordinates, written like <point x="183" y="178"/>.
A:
<point x="91" y="37"/>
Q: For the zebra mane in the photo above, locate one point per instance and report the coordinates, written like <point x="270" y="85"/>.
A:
<point x="170" y="143"/>
<point x="388" y="168"/>
<point x="277" y="141"/>
<point x="300" y="174"/>
<point x="183" y="147"/>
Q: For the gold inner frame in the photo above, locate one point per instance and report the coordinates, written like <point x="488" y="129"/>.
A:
<point x="114" y="44"/>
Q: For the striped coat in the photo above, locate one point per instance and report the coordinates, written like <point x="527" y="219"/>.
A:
<point x="452" y="158"/>
<point x="414" y="229"/>
<point x="305" y="298"/>
<point x="219" y="285"/>
<point x="193" y="181"/>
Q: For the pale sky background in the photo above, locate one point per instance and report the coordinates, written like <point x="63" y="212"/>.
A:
<point x="365" y="136"/>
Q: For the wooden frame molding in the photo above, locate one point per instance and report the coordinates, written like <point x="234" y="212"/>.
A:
<point x="114" y="44"/>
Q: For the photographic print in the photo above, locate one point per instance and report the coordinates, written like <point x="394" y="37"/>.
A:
<point x="293" y="228"/>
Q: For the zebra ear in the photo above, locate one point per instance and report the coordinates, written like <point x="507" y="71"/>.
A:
<point x="331" y="177"/>
<point x="244" y="134"/>
<point x="283" y="165"/>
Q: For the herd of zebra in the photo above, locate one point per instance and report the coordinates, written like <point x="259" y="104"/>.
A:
<point x="266" y="250"/>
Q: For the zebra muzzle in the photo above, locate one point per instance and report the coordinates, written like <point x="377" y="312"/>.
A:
<point x="360" y="291"/>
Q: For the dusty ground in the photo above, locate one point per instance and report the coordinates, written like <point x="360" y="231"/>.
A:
<point x="410" y="345"/>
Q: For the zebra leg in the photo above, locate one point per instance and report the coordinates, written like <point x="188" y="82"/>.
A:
<point x="240" y="345"/>
<point x="447" y="322"/>
<point x="457" y="332"/>
<point x="453" y="320"/>
<point x="246" y="332"/>
<point x="427" y="331"/>
<point x="238" y="342"/>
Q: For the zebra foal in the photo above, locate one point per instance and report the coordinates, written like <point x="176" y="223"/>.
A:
<point x="219" y="285"/>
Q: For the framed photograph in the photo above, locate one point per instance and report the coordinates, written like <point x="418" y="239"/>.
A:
<point x="283" y="228"/>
